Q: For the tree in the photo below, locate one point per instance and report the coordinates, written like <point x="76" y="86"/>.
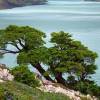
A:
<point x="71" y="57"/>
<point x="66" y="56"/>
<point x="28" y="44"/>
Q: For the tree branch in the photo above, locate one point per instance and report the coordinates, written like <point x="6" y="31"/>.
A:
<point x="16" y="45"/>
<point x="21" y="43"/>
<point x="4" y="51"/>
<point x="13" y="44"/>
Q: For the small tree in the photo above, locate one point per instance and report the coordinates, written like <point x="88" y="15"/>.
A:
<point x="28" y="44"/>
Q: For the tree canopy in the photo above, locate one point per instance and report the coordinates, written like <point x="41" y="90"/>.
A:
<point x="71" y="57"/>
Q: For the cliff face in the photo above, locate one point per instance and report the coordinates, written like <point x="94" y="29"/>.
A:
<point x="17" y="3"/>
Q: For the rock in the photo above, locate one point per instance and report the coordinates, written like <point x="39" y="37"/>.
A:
<point x="52" y="88"/>
<point x="1" y="81"/>
<point x="4" y="74"/>
<point x="46" y="82"/>
<point x="77" y="93"/>
<point x="72" y="94"/>
<point x="89" y="97"/>
<point x="94" y="98"/>
<point x="3" y="66"/>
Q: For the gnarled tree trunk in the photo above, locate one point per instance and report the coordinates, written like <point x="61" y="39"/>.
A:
<point x="42" y="71"/>
<point x="60" y="79"/>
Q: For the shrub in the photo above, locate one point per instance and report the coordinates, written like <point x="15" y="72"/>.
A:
<point x="88" y="88"/>
<point x="24" y="75"/>
<point x="93" y="89"/>
<point x="71" y="79"/>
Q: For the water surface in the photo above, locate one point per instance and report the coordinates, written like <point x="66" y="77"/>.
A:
<point x="81" y="19"/>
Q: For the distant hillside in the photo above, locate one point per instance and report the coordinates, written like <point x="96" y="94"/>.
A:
<point x="17" y="3"/>
<point x="93" y="0"/>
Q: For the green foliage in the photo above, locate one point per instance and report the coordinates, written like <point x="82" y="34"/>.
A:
<point x="66" y="55"/>
<point x="1" y="93"/>
<point x="70" y="56"/>
<point x="88" y="87"/>
<point x="26" y="41"/>
<point x="27" y="35"/>
<point x="71" y="79"/>
<point x="19" y="91"/>
<point x="24" y="75"/>
<point x="34" y="56"/>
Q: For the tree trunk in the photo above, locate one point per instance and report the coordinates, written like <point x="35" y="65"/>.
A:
<point x="58" y="75"/>
<point x="42" y="71"/>
<point x="60" y="79"/>
<point x="83" y="76"/>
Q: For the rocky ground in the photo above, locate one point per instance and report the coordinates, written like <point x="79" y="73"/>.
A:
<point x="4" y="74"/>
<point x="73" y="95"/>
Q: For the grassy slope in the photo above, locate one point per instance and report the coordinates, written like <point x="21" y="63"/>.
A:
<point x="24" y="92"/>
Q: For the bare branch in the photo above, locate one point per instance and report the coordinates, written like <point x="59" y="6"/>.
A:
<point x="13" y="44"/>
<point x="16" y="45"/>
<point x="20" y="42"/>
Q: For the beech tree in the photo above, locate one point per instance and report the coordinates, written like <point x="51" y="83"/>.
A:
<point x="66" y="56"/>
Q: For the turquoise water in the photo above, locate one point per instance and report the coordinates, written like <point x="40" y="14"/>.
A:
<point x="81" y="19"/>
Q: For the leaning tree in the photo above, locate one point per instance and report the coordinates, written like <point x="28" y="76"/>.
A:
<point x="28" y="44"/>
<point x="66" y="56"/>
<point x="70" y="57"/>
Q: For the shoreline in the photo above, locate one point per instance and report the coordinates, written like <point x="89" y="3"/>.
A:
<point x="20" y="6"/>
<point x="11" y="6"/>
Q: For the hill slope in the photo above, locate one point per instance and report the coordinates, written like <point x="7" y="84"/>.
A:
<point x="16" y="3"/>
<point x="18" y="91"/>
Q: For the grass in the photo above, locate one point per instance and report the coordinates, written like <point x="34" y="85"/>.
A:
<point x="19" y="91"/>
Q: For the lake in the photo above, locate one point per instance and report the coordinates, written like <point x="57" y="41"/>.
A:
<point x="81" y="19"/>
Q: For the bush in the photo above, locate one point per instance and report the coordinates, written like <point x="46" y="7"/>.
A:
<point x="82" y="87"/>
<point x="24" y="75"/>
<point x="71" y="79"/>
<point x="94" y="90"/>
<point x="88" y="88"/>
